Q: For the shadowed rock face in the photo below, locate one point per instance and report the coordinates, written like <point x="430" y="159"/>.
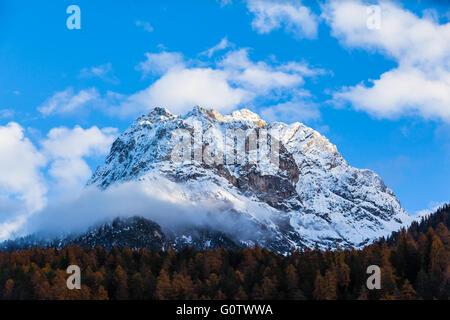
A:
<point x="277" y="190"/>
<point x="134" y="232"/>
<point x="310" y="196"/>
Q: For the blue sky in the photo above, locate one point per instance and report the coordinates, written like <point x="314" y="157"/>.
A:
<point x="304" y="61"/>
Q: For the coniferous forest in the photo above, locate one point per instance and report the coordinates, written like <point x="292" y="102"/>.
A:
<point x="414" y="264"/>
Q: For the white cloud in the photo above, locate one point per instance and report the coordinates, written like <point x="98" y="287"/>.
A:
<point x="70" y="173"/>
<point x="231" y="82"/>
<point x="223" y="44"/>
<point x="160" y="63"/>
<point x="20" y="164"/>
<point x="300" y="108"/>
<point x="162" y="201"/>
<point x="303" y="69"/>
<point x="67" y="101"/>
<point x="403" y="90"/>
<point x="104" y="72"/>
<point x="78" y="142"/>
<point x="24" y="189"/>
<point x="420" y="84"/>
<point x="9" y="228"/>
<point x="258" y="77"/>
<point x="181" y="89"/>
<point x="291" y="15"/>
<point x="67" y="149"/>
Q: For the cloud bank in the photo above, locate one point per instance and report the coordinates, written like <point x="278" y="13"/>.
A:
<point x="161" y="201"/>
<point x="55" y="166"/>
<point x="68" y="101"/>
<point x="420" y="84"/>
<point x="232" y="81"/>
<point x="292" y="16"/>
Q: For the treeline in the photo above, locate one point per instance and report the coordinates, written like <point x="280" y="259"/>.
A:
<point x="416" y="266"/>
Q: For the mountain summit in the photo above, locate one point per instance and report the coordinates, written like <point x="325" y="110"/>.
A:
<point x="281" y="186"/>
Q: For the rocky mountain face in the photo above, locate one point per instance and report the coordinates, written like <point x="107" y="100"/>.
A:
<point x="135" y="232"/>
<point x="281" y="186"/>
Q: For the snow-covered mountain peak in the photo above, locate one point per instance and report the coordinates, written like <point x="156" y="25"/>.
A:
<point x="245" y="115"/>
<point x="242" y="115"/>
<point x="309" y="196"/>
<point x="300" y="136"/>
<point x="156" y="115"/>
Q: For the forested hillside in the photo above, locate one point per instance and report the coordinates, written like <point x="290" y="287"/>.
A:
<point x="430" y="221"/>
<point x="414" y="265"/>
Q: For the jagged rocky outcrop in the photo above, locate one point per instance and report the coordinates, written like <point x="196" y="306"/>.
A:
<point x="291" y="186"/>
<point x="134" y="232"/>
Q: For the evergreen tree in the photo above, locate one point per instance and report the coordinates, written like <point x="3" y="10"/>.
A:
<point x="164" y="290"/>
<point x="136" y="287"/>
<point x="407" y="292"/>
<point x="240" y="295"/>
<point x="120" y="284"/>
<point x="320" y="287"/>
<point x="8" y="289"/>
